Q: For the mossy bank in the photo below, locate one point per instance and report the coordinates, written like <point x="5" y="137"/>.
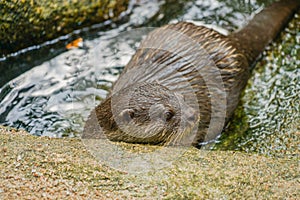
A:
<point x="40" y="167"/>
<point x="27" y="22"/>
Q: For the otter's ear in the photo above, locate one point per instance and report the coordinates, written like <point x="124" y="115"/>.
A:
<point x="127" y="115"/>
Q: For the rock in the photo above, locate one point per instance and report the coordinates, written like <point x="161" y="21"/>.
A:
<point x="63" y="168"/>
<point x="26" y="22"/>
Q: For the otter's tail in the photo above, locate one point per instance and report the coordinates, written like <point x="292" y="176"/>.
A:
<point x="264" y="27"/>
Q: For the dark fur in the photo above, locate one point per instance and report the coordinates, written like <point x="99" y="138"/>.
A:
<point x="233" y="55"/>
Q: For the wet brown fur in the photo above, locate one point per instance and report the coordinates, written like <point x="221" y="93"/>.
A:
<point x="233" y="55"/>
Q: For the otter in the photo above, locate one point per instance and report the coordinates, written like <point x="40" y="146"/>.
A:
<point x="184" y="82"/>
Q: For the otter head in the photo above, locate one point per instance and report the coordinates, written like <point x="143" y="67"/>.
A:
<point x="147" y="113"/>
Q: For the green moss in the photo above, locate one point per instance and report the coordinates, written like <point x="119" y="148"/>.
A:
<point x="26" y="23"/>
<point x="267" y="117"/>
<point x="40" y="167"/>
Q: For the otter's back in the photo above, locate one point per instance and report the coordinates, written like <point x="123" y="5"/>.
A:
<point x="263" y="28"/>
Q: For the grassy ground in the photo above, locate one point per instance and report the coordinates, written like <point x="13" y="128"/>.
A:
<point x="47" y="168"/>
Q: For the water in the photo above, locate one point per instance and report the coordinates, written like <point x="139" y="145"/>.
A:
<point x="50" y="91"/>
<point x="268" y="118"/>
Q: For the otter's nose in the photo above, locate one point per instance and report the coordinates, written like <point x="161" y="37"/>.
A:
<point x="191" y="114"/>
<point x="192" y="117"/>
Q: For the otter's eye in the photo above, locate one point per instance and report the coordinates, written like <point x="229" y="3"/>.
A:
<point x="168" y="115"/>
<point x="127" y="115"/>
